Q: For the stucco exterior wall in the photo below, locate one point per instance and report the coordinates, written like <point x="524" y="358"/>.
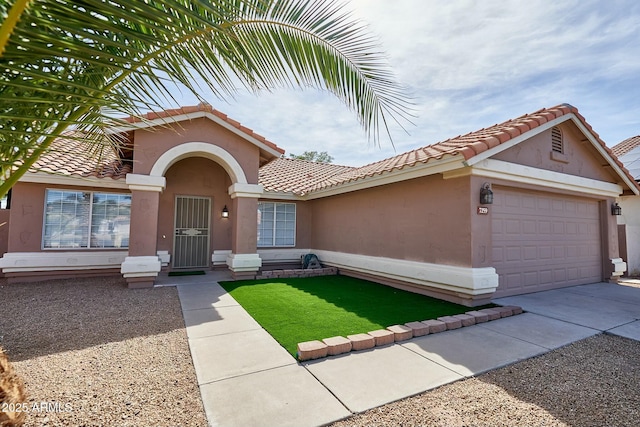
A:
<point x="4" y="230"/>
<point x="580" y="157"/>
<point x="27" y="208"/>
<point x="196" y="177"/>
<point x="412" y="220"/>
<point x="151" y="144"/>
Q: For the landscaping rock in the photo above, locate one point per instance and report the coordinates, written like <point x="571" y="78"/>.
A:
<point x="451" y="322"/>
<point x="382" y="337"/>
<point x="504" y="311"/>
<point x="479" y="316"/>
<point x="312" y="350"/>
<point x="337" y="345"/>
<point x="401" y="332"/>
<point x="465" y="319"/>
<point x="435" y="326"/>
<point x="514" y="308"/>
<point x="361" y="341"/>
<point x="492" y="313"/>
<point x="419" y="329"/>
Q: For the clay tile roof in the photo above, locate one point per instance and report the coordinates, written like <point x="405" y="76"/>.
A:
<point x="207" y="108"/>
<point x="625" y="146"/>
<point x="466" y="146"/>
<point x="297" y="176"/>
<point x="69" y="156"/>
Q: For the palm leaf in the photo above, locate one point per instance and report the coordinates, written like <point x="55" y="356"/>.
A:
<point x="64" y="62"/>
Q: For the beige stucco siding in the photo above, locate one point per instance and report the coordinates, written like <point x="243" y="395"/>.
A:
<point x="150" y="144"/>
<point x="580" y="157"/>
<point x="413" y="220"/>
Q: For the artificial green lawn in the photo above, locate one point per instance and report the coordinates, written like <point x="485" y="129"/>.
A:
<point x="304" y="309"/>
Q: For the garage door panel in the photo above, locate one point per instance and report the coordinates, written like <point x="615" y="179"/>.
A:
<point x="530" y="278"/>
<point x="543" y="241"/>
<point x="529" y="253"/>
<point x="513" y="253"/>
<point x="545" y="252"/>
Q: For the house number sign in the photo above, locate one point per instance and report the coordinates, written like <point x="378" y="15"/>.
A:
<point x="483" y="210"/>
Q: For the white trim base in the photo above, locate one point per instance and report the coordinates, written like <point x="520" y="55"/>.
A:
<point x="219" y="257"/>
<point x="462" y="280"/>
<point x="165" y="257"/>
<point x="24" y="262"/>
<point x="141" y="266"/>
<point x="271" y="256"/>
<point x="619" y="267"/>
<point x="244" y="262"/>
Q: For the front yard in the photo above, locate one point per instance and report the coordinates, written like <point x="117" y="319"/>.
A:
<point x="295" y="310"/>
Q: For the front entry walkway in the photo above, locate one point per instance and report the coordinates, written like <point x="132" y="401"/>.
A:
<point x="247" y="379"/>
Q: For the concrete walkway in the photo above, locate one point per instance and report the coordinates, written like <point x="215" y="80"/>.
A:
<point x="247" y="379"/>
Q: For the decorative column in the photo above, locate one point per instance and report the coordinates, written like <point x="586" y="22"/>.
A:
<point x="244" y="261"/>
<point x="142" y="265"/>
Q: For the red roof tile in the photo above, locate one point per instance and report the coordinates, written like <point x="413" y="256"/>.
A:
<point x="297" y="176"/>
<point x="70" y="156"/>
<point x="625" y="146"/>
<point x="466" y="146"/>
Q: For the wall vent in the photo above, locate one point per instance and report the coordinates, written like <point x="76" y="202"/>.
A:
<point x="556" y="140"/>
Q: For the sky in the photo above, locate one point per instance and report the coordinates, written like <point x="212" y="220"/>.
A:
<point x="468" y="65"/>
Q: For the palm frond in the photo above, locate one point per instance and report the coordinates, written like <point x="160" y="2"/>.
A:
<point x="64" y="62"/>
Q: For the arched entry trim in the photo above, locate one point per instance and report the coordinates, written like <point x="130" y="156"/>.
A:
<point x="200" y="149"/>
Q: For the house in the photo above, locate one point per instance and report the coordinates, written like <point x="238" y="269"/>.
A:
<point x="628" y="151"/>
<point x="518" y="207"/>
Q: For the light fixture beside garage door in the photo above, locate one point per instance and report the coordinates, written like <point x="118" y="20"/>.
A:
<point x="616" y="209"/>
<point x="486" y="195"/>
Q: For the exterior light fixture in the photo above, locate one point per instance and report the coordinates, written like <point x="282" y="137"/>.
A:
<point x="486" y="195"/>
<point x="616" y="209"/>
<point x="225" y="212"/>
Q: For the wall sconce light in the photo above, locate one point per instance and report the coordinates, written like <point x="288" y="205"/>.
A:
<point x="486" y="195"/>
<point x="616" y="209"/>
<point x="225" y="212"/>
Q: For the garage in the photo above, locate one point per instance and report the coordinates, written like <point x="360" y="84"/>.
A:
<point x="543" y="241"/>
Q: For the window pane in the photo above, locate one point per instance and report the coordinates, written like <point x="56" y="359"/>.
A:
<point x="66" y="219"/>
<point x="110" y="220"/>
<point x="75" y="219"/>
<point x="276" y="224"/>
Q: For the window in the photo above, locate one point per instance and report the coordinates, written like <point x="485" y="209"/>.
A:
<point x="556" y="140"/>
<point x="276" y="224"/>
<point x="79" y="219"/>
<point x="5" y="201"/>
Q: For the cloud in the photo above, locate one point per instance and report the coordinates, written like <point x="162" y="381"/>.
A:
<point x="471" y="64"/>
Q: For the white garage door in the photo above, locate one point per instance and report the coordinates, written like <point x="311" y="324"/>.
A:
<point x="542" y="241"/>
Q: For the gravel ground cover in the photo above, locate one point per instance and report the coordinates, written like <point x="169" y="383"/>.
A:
<point x="593" y="382"/>
<point x="93" y="353"/>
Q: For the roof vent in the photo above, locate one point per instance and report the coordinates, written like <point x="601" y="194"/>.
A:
<point x="556" y="140"/>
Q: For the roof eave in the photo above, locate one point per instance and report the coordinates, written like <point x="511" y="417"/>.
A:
<point x="73" y="180"/>
<point x="628" y="181"/>
<point x="433" y="166"/>
<point x="163" y="121"/>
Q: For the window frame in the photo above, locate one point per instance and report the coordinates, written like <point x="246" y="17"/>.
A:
<point x="275" y="225"/>
<point x="90" y="225"/>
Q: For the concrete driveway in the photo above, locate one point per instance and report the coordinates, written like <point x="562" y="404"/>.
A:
<point x="606" y="307"/>
<point x="246" y="378"/>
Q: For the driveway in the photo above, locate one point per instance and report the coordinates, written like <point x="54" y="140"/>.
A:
<point x="239" y="365"/>
<point x="606" y="307"/>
